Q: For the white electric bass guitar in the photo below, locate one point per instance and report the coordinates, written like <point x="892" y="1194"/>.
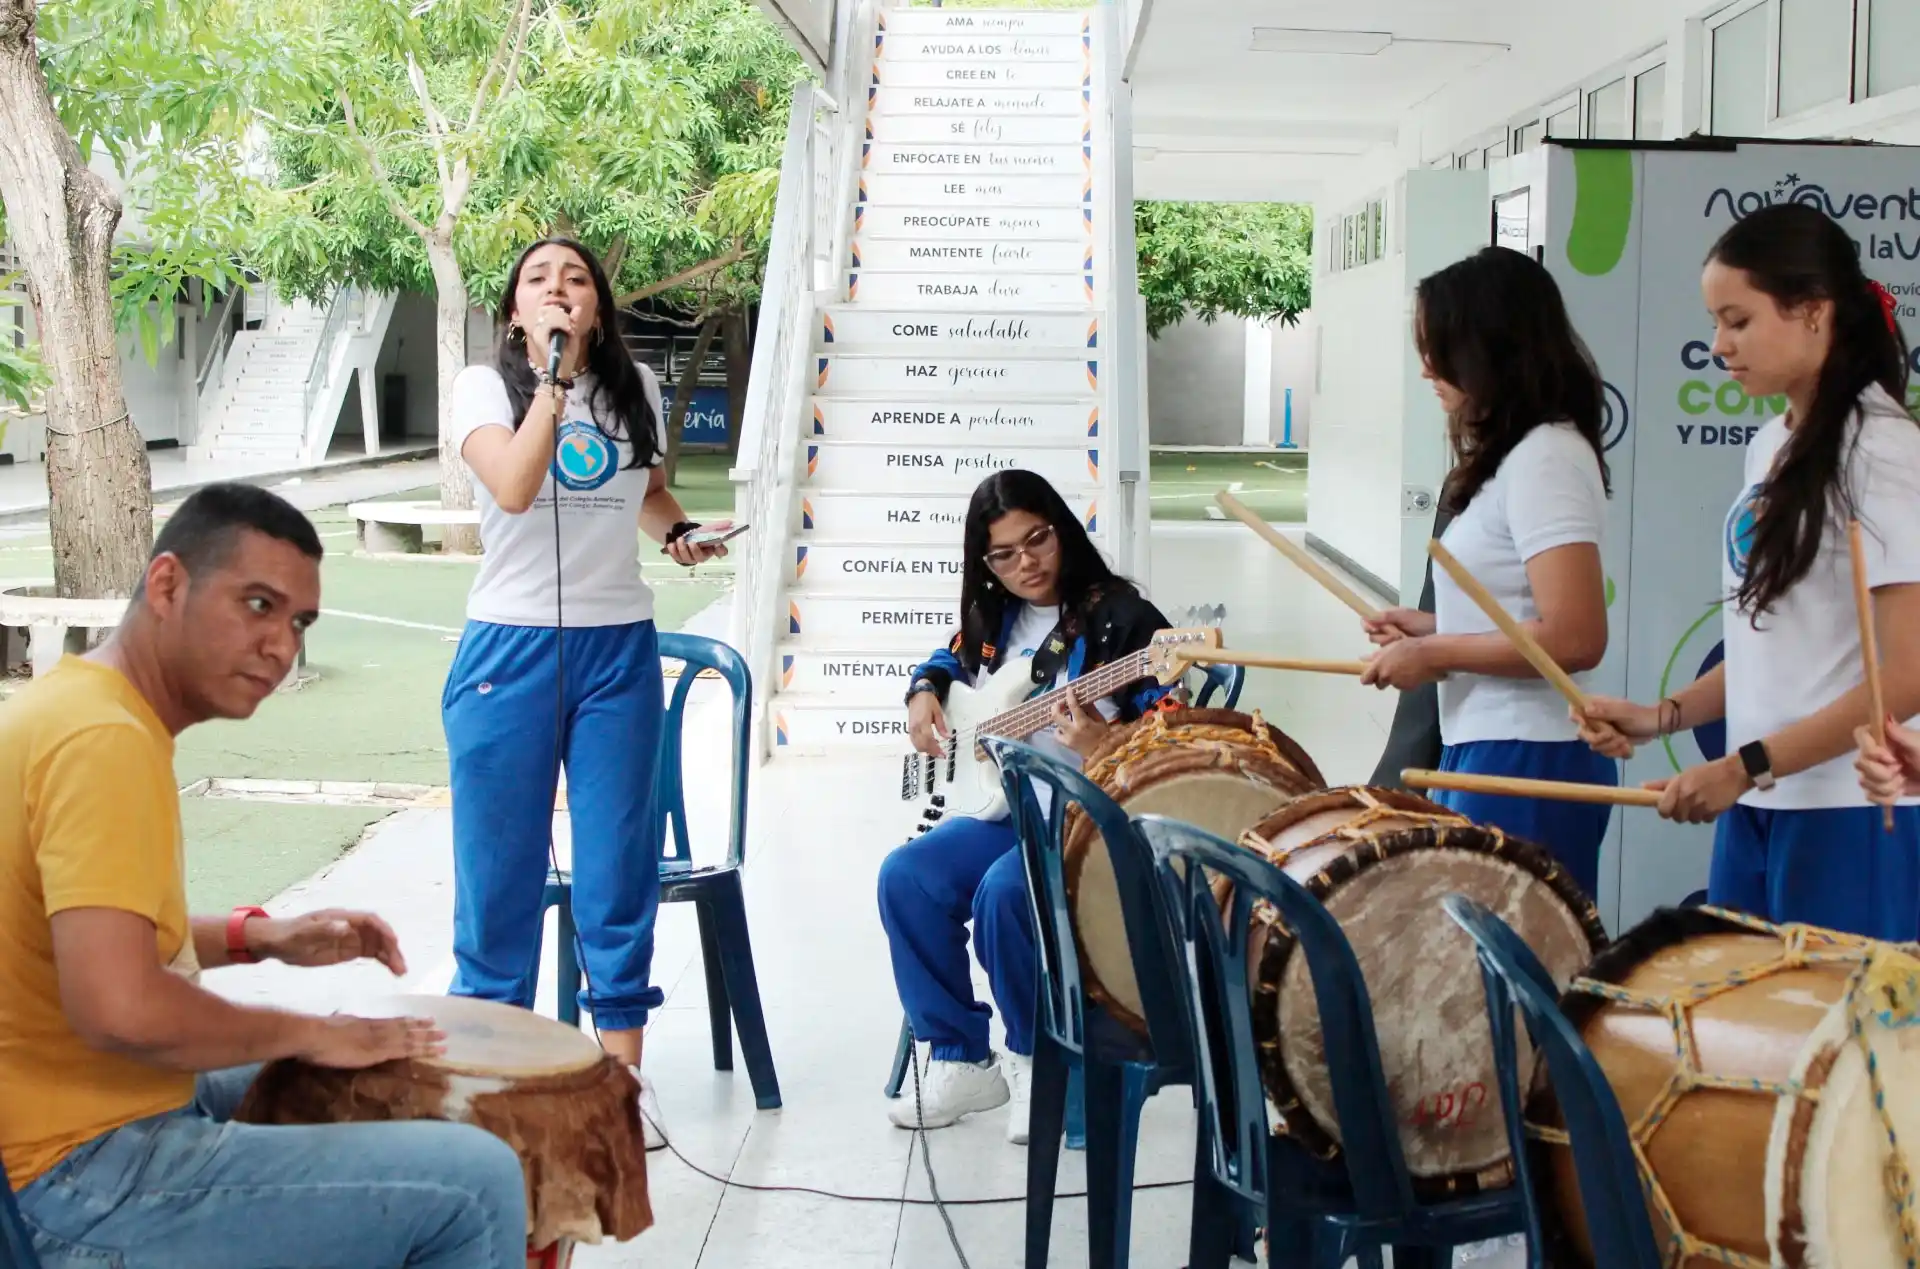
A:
<point x="965" y="782"/>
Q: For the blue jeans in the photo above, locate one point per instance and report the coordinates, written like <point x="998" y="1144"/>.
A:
<point x="1569" y="831"/>
<point x="1838" y="868"/>
<point x="500" y="708"/>
<point x="962" y="869"/>
<point x="191" y="1188"/>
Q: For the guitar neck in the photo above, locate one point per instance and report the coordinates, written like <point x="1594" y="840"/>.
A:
<point x="1036" y="714"/>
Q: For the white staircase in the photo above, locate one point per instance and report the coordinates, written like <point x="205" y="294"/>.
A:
<point x="274" y="394"/>
<point x="964" y="332"/>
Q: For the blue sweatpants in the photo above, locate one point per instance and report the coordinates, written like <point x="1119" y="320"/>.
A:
<point x="500" y="708"/>
<point x="962" y="869"/>
<point x="1838" y="868"/>
<point x="1571" y="831"/>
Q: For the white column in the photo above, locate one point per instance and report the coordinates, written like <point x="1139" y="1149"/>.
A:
<point x="1257" y="412"/>
<point x="369" y="407"/>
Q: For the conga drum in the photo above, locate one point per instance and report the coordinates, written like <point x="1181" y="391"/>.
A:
<point x="570" y="1111"/>
<point x="1217" y="769"/>
<point x="1738" y="1051"/>
<point x="1381" y="861"/>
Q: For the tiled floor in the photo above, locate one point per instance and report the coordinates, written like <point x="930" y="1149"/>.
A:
<point x="819" y="831"/>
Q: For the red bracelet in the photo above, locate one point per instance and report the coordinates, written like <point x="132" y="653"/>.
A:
<point x="237" y="934"/>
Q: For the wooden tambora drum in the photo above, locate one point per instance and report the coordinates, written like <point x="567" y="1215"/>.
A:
<point x="1381" y="861"/>
<point x="1216" y="769"/>
<point x="571" y="1112"/>
<point x="1738" y="1052"/>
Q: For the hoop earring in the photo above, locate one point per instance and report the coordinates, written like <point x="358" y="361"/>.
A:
<point x="599" y="333"/>
<point x="515" y="334"/>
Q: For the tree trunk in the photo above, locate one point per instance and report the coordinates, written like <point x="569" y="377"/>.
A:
<point x="683" y="390"/>
<point x="739" y="365"/>
<point x="62" y="218"/>
<point x="450" y="358"/>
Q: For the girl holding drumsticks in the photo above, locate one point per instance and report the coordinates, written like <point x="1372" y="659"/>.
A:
<point x="1528" y="492"/>
<point x="1797" y="839"/>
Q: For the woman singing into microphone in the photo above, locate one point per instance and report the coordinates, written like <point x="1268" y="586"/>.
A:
<point x="560" y="634"/>
<point x="1528" y="494"/>
<point x="1796" y="838"/>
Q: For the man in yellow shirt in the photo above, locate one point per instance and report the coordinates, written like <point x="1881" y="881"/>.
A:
<point x="118" y="1072"/>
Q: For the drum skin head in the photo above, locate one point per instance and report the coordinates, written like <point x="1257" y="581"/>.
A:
<point x="489" y="1039"/>
<point x="1381" y="862"/>
<point x="1220" y="787"/>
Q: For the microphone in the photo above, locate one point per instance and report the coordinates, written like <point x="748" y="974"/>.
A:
<point x="556" y="348"/>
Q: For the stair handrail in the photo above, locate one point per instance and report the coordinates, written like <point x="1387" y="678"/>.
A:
<point x="763" y="475"/>
<point x="345" y="304"/>
<point x="206" y="382"/>
<point x="806" y="247"/>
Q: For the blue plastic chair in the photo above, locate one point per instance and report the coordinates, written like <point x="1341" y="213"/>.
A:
<point x="1318" y="1213"/>
<point x="1120" y="1071"/>
<point x="1611" y="1192"/>
<point x="733" y="990"/>
<point x="1216" y="679"/>
<point x="14" y="1240"/>
<point x="1221" y="678"/>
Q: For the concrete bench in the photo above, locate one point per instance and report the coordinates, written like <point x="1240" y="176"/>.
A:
<point x="396" y="528"/>
<point x="28" y="604"/>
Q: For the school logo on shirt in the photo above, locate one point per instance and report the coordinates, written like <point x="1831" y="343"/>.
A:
<point x="1740" y="522"/>
<point x="584" y="459"/>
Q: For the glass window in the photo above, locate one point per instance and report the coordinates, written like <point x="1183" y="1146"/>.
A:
<point x="1474" y="161"/>
<point x="1893" y="34"/>
<point x="1607" y="112"/>
<point x="1379" y="231"/>
<point x="1816" y="53"/>
<point x="1496" y="151"/>
<point x="1650" y="104"/>
<point x="1564" y="124"/>
<point x="1740" y="75"/>
<point x="1527" y="136"/>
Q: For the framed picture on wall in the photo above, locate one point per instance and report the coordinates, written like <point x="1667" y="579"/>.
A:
<point x="1511" y="214"/>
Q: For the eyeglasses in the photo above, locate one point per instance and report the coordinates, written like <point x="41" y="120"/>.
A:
<point x="1038" y="545"/>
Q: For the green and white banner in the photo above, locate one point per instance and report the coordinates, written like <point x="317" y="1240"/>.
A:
<point x="1626" y="235"/>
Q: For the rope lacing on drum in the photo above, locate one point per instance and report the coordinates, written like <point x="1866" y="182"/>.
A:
<point x="1353" y="830"/>
<point x="1882" y="973"/>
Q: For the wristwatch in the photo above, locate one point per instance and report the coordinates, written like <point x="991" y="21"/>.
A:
<point x="922" y="685"/>
<point x="1759" y="767"/>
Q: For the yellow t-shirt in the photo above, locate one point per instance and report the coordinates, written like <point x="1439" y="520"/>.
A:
<point x="89" y="818"/>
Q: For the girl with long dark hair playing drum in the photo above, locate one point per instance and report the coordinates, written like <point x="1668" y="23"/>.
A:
<point x="1528" y="493"/>
<point x="1797" y="840"/>
<point x="1032" y="584"/>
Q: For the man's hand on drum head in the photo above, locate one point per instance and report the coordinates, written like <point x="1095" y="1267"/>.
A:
<point x="331" y="937"/>
<point x="1891" y="771"/>
<point x="1395" y="624"/>
<point x="927" y="724"/>
<point x="349" y="1044"/>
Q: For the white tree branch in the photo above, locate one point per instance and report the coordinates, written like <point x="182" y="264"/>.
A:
<point x="512" y="40"/>
<point x="387" y="187"/>
<point x="436" y="126"/>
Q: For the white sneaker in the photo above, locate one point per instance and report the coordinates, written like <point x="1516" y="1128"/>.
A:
<point x="948" y="1091"/>
<point x="1018" y="1072"/>
<point x="650" y="1118"/>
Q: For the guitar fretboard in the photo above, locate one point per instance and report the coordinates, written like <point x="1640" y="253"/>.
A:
<point x="1035" y="714"/>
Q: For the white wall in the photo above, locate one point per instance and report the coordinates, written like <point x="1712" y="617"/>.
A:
<point x="1353" y="496"/>
<point x="409" y="350"/>
<point x="1196" y="374"/>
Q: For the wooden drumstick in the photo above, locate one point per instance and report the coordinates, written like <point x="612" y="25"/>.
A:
<point x="1513" y="786"/>
<point x="1869" y="644"/>
<point x="1257" y="661"/>
<point x="1301" y="560"/>
<point x="1523" y="642"/>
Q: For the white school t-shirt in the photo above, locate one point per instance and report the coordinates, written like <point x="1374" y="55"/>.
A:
<point x="600" y="499"/>
<point x="1031" y="625"/>
<point x="1806" y="652"/>
<point x="1547" y="493"/>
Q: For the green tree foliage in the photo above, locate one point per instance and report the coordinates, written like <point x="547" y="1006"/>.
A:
<point x="1242" y="259"/>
